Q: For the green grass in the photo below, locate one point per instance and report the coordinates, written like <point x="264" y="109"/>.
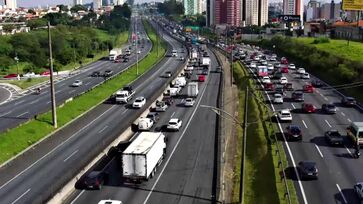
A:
<point x="353" y="51"/>
<point x="262" y="174"/>
<point x="25" y="83"/>
<point x="15" y="140"/>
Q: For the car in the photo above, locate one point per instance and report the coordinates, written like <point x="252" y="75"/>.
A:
<point x="219" y="69"/>
<point x="288" y="87"/>
<point x="77" y="83"/>
<point x="358" y="189"/>
<point x="277" y="75"/>
<point x="201" y="78"/>
<point x="153" y="116"/>
<point x="160" y="106"/>
<point x="283" y="80"/>
<point x="279" y="89"/>
<point x="174" y="124"/>
<point x="168" y="100"/>
<point x="277" y="65"/>
<point x="329" y="108"/>
<point x="189" y="102"/>
<point x="305" y="76"/>
<point x="308" y="108"/>
<point x="126" y="59"/>
<point x="10" y="76"/>
<point x="292" y="66"/>
<point x="284" y="70"/>
<point x="294" y="132"/>
<point x="269" y="86"/>
<point x="266" y="80"/>
<point x="348" y="101"/>
<point x="139" y="102"/>
<point x="117" y="60"/>
<point x="278" y="98"/>
<point x="168" y="74"/>
<point x="307" y="170"/>
<point x="284" y="60"/>
<point x="96" y="74"/>
<point x="108" y="73"/>
<point x="297" y="96"/>
<point x="308" y="88"/>
<point x="284" y="115"/>
<point x="110" y="202"/>
<point x="317" y="84"/>
<point x="94" y="180"/>
<point x="333" y="137"/>
<point x="138" y="52"/>
<point x="205" y="72"/>
<point x="300" y="71"/>
<point x="145" y="124"/>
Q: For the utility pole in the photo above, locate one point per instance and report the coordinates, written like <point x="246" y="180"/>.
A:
<point x="157" y="38"/>
<point x="137" y="51"/>
<point x="52" y="93"/>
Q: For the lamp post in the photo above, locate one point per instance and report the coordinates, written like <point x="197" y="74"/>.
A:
<point x="17" y="66"/>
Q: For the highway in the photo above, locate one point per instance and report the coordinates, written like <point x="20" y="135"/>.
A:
<point x="24" y="108"/>
<point x="186" y="174"/>
<point x="338" y="170"/>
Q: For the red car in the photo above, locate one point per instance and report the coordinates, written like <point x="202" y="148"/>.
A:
<point x="284" y="61"/>
<point x="45" y="73"/>
<point x="201" y="78"/>
<point x="284" y="70"/>
<point x="10" y="76"/>
<point x="308" y="108"/>
<point x="269" y="86"/>
<point x="308" y="88"/>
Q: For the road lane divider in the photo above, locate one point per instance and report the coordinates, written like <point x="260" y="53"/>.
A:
<point x="22" y="195"/>
<point x="348" y="151"/>
<point x="321" y="154"/>
<point x="19" y="102"/>
<point x="22" y="114"/>
<point x="5" y="114"/>
<point x="349" y="120"/>
<point x="103" y="129"/>
<point x="304" y="124"/>
<point x="75" y="152"/>
<point x="293" y="105"/>
<point x="343" y="114"/>
<point x="328" y="123"/>
<point x="341" y="193"/>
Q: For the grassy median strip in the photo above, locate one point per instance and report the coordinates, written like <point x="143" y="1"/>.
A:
<point x="16" y="140"/>
<point x="263" y="183"/>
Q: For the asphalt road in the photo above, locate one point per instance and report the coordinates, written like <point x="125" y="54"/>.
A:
<point x="186" y="174"/>
<point x="338" y="170"/>
<point x="35" y="176"/>
<point x="4" y="94"/>
<point x="24" y="108"/>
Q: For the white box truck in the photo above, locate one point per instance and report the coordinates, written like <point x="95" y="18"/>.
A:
<point x="192" y="89"/>
<point x="205" y="61"/>
<point x="114" y="53"/>
<point x="194" y="54"/>
<point x="142" y="156"/>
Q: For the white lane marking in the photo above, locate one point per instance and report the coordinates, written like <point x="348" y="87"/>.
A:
<point x="16" y="103"/>
<point x="343" y="114"/>
<point x="79" y="195"/>
<point x="87" y="83"/>
<point x="70" y="155"/>
<point x="71" y="91"/>
<point x="103" y="129"/>
<point x="22" y="195"/>
<point x="321" y="95"/>
<point x="304" y="124"/>
<point x="84" y="127"/>
<point x="58" y="91"/>
<point x="325" y="98"/>
<point x="22" y="114"/>
<point x="49" y="102"/>
<point x="341" y="193"/>
<point x="176" y="145"/>
<point x="317" y="91"/>
<point x="34" y="101"/>
<point x="321" y="154"/>
<point x="328" y="123"/>
<point x="293" y="105"/>
<point x="124" y="111"/>
<point x="348" y="151"/>
<point x="349" y="120"/>
<point x="5" y="114"/>
<point x="172" y="115"/>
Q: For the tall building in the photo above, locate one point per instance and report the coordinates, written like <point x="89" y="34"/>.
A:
<point x="97" y="4"/>
<point x="202" y="6"/>
<point x="118" y="2"/>
<point x="190" y="7"/>
<point x="294" y="7"/>
<point x="256" y="12"/>
<point x="10" y="4"/>
<point x="77" y="2"/>
<point x="210" y="8"/>
<point x="228" y="12"/>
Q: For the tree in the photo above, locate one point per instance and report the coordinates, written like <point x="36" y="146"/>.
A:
<point x="37" y="23"/>
<point x="8" y="28"/>
<point x="32" y="11"/>
<point x="63" y="8"/>
<point x="77" y="8"/>
<point x="5" y="62"/>
<point x="58" y="18"/>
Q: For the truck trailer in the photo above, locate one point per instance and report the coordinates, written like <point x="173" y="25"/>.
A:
<point x="114" y="53"/>
<point x="145" y="153"/>
<point x="192" y="89"/>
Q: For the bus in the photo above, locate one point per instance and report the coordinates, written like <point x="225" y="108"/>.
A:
<point x="355" y="132"/>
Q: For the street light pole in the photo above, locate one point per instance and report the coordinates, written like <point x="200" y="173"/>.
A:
<point x="137" y="52"/>
<point x="52" y="92"/>
<point x="17" y="66"/>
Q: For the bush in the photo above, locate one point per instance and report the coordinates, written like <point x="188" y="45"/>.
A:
<point x="321" y="40"/>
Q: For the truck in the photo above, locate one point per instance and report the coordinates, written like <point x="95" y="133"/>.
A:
<point x="142" y="156"/>
<point x="114" y="53"/>
<point x="194" y="54"/>
<point x="355" y="132"/>
<point x="124" y="95"/>
<point x="145" y="124"/>
<point x="180" y="81"/>
<point x="205" y="62"/>
<point x="192" y="89"/>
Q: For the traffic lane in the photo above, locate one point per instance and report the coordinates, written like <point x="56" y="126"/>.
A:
<point x="5" y="94"/>
<point x="36" y="173"/>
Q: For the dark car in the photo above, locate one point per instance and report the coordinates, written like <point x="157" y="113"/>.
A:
<point x="288" y="87"/>
<point x="153" y="116"/>
<point x="308" y="170"/>
<point x="277" y="75"/>
<point x="294" y="132"/>
<point x="168" y="100"/>
<point x="317" y="84"/>
<point x="297" y="96"/>
<point x="126" y="59"/>
<point x="333" y="137"/>
<point x="329" y="108"/>
<point x="94" y="180"/>
<point x="168" y="74"/>
<point x="348" y="101"/>
<point x="108" y="73"/>
<point x="279" y="89"/>
<point x="96" y="74"/>
<point x="205" y="72"/>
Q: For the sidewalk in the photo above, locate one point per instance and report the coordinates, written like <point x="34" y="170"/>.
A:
<point x="228" y="141"/>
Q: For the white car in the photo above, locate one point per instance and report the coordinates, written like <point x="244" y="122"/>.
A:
<point x="278" y="98"/>
<point x="110" y="202"/>
<point x="266" y="80"/>
<point x="305" y="76"/>
<point x="270" y="67"/>
<point x="145" y="124"/>
<point x="301" y="71"/>
<point x="189" y="102"/>
<point x="292" y="66"/>
<point x="189" y="68"/>
<point x="253" y="65"/>
<point x="139" y="102"/>
<point x="138" y="52"/>
<point x="263" y="62"/>
<point x="174" y="124"/>
<point x="77" y="83"/>
<point x="283" y="80"/>
<point x="284" y="115"/>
